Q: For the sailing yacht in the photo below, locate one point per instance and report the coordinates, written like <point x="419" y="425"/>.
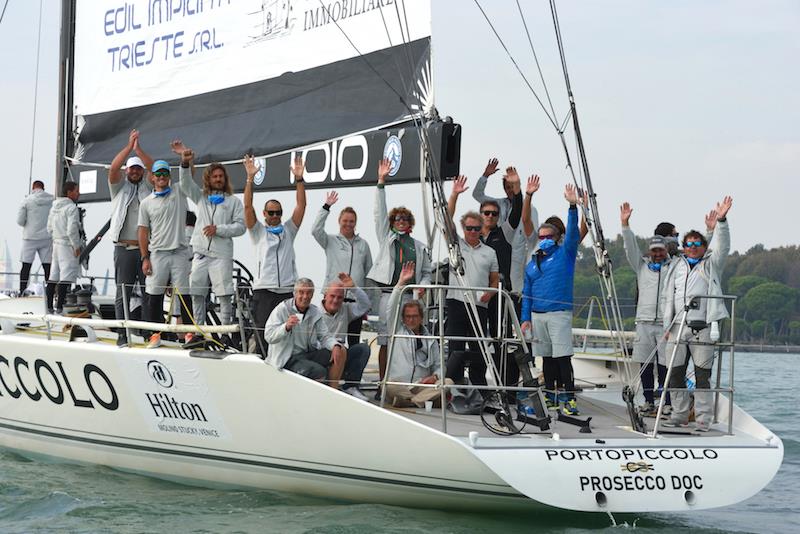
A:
<point x="344" y="84"/>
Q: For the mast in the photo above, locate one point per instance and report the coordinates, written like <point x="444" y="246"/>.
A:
<point x="64" y="142"/>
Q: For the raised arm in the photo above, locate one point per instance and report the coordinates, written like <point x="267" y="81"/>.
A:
<point x="145" y="157"/>
<point x="572" y="239"/>
<point x="380" y="211"/>
<point x="459" y="186"/>
<point x="512" y="177"/>
<point x="115" y="170"/>
<point x="722" y="234"/>
<point x="406" y="275"/>
<point x="318" y="229"/>
<point x="362" y="302"/>
<point x="250" y="167"/>
<point x="479" y="193"/>
<point x="632" y="251"/>
<point x="300" y="191"/>
<point x="187" y="185"/>
<point x="527" y="221"/>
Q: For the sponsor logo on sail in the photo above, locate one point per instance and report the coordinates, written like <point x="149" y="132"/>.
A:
<point x="261" y="164"/>
<point x="393" y="151"/>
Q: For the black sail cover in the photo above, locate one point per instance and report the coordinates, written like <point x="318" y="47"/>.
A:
<point x="333" y="81"/>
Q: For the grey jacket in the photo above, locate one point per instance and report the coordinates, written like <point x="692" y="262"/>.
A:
<point x="479" y="194"/>
<point x="684" y="282"/>
<point x="33" y="215"/>
<point x="409" y="363"/>
<point x="342" y="255"/>
<point x="383" y="268"/>
<point x="64" y="224"/>
<point x="227" y="216"/>
<point x="337" y="323"/>
<point x="121" y="197"/>
<point x="311" y="334"/>
<point x="652" y="296"/>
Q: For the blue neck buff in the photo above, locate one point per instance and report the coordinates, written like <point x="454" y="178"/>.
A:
<point x="275" y="230"/>
<point x="163" y="193"/>
<point x="216" y="198"/>
<point x="693" y="261"/>
<point x="655" y="267"/>
<point x="546" y="245"/>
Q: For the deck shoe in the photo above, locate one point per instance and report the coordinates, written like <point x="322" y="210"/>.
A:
<point x="673" y="423"/>
<point x="551" y="404"/>
<point x="122" y="341"/>
<point x="355" y="392"/>
<point x="702" y="427"/>
<point x="570" y="408"/>
<point x="666" y="410"/>
<point x="648" y="409"/>
<point x="189" y="337"/>
<point x="155" y="341"/>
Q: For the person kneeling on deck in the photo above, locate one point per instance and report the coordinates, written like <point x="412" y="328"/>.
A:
<point x="413" y="360"/>
<point x="338" y="315"/>
<point x="695" y="273"/>
<point x="300" y="341"/>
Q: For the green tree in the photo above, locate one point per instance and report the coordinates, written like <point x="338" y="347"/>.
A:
<point x="740" y="285"/>
<point x="773" y="302"/>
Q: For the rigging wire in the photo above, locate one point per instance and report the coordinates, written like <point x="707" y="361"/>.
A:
<point x="35" y="94"/>
<point x="536" y="59"/>
<point x="519" y="70"/>
<point x="3" y="14"/>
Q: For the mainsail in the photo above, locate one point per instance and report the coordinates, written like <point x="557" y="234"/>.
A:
<point x="259" y="76"/>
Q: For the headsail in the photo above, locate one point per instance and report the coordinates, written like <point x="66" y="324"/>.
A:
<point x="263" y="76"/>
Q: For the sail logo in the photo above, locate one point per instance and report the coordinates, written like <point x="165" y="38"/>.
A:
<point x="160" y="374"/>
<point x="393" y="151"/>
<point x="261" y="164"/>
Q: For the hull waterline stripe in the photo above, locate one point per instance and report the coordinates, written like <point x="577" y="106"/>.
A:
<point x="256" y="463"/>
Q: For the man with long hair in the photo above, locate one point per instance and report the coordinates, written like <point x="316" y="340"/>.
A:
<point x="220" y="218"/>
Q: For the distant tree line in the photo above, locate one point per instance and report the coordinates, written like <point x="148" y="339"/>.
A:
<point x="766" y="282"/>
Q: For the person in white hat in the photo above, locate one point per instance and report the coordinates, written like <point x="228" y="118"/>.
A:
<point x="127" y="192"/>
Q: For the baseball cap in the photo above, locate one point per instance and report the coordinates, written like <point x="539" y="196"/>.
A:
<point x="657" y="242"/>
<point x="159" y="165"/>
<point x="134" y="161"/>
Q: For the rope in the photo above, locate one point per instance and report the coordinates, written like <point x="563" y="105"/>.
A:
<point x="35" y="91"/>
<point x="536" y="59"/>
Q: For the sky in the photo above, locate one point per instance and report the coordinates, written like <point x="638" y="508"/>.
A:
<point x="680" y="103"/>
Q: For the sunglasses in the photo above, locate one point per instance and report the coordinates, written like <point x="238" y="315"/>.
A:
<point x="402" y="218"/>
<point x="693" y="244"/>
<point x="547" y="236"/>
<point x="273" y="213"/>
<point x="491" y="213"/>
<point x="161" y="174"/>
<point x="472" y="228"/>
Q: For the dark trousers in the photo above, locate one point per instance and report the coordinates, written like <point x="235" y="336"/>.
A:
<point x="127" y="273"/>
<point x="354" y="331"/>
<point x="649" y="382"/>
<point x="25" y="275"/>
<point x="313" y="364"/>
<point x="558" y="374"/>
<point x="459" y="324"/>
<point x="154" y="309"/>
<point x="264" y="301"/>
<point x="50" y="292"/>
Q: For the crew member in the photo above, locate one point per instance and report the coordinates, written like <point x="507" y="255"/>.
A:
<point x="65" y="225"/>
<point x="32" y="216"/>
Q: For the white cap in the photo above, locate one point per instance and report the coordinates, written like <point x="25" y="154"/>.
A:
<point x="134" y="160"/>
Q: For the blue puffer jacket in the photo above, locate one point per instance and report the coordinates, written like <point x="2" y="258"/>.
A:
<point x="548" y="285"/>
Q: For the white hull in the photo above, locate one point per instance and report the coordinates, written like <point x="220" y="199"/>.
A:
<point x="240" y="423"/>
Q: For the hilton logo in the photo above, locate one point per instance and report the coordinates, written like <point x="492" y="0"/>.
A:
<point x="160" y="374"/>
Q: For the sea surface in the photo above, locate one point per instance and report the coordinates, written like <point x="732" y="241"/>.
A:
<point x="41" y="497"/>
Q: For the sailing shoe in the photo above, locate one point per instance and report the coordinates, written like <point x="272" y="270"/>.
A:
<point x="570" y="408"/>
<point x="673" y="423"/>
<point x="551" y="404"/>
<point x="122" y="341"/>
<point x="189" y="337"/>
<point x="647" y="409"/>
<point x="666" y="410"/>
<point x="355" y="392"/>
<point x="155" y="341"/>
<point x="702" y="427"/>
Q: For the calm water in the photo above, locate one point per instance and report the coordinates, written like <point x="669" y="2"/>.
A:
<point x="38" y="497"/>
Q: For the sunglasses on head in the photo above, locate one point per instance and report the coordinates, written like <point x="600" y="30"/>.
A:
<point x="491" y="213"/>
<point x="161" y="174"/>
<point x="402" y="218"/>
<point x="472" y="228"/>
<point x="273" y="213"/>
<point x="693" y="244"/>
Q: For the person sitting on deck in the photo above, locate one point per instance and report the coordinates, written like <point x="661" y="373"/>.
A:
<point x="338" y="315"/>
<point x="393" y="229"/>
<point x="651" y="272"/>
<point x="548" y="297"/>
<point x="345" y="252"/>
<point x="299" y="339"/>
<point x="413" y="360"/>
<point x="697" y="272"/>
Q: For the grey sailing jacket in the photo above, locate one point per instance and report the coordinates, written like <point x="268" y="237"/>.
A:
<point x="33" y="215"/>
<point x="310" y="334"/>
<point x="337" y="323"/>
<point x="342" y="255"/>
<point x="650" y="284"/>
<point x="121" y="197"/>
<point x="227" y="216"/>
<point x="410" y="362"/>
<point x="383" y="268"/>
<point x="684" y="282"/>
<point x="64" y="223"/>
